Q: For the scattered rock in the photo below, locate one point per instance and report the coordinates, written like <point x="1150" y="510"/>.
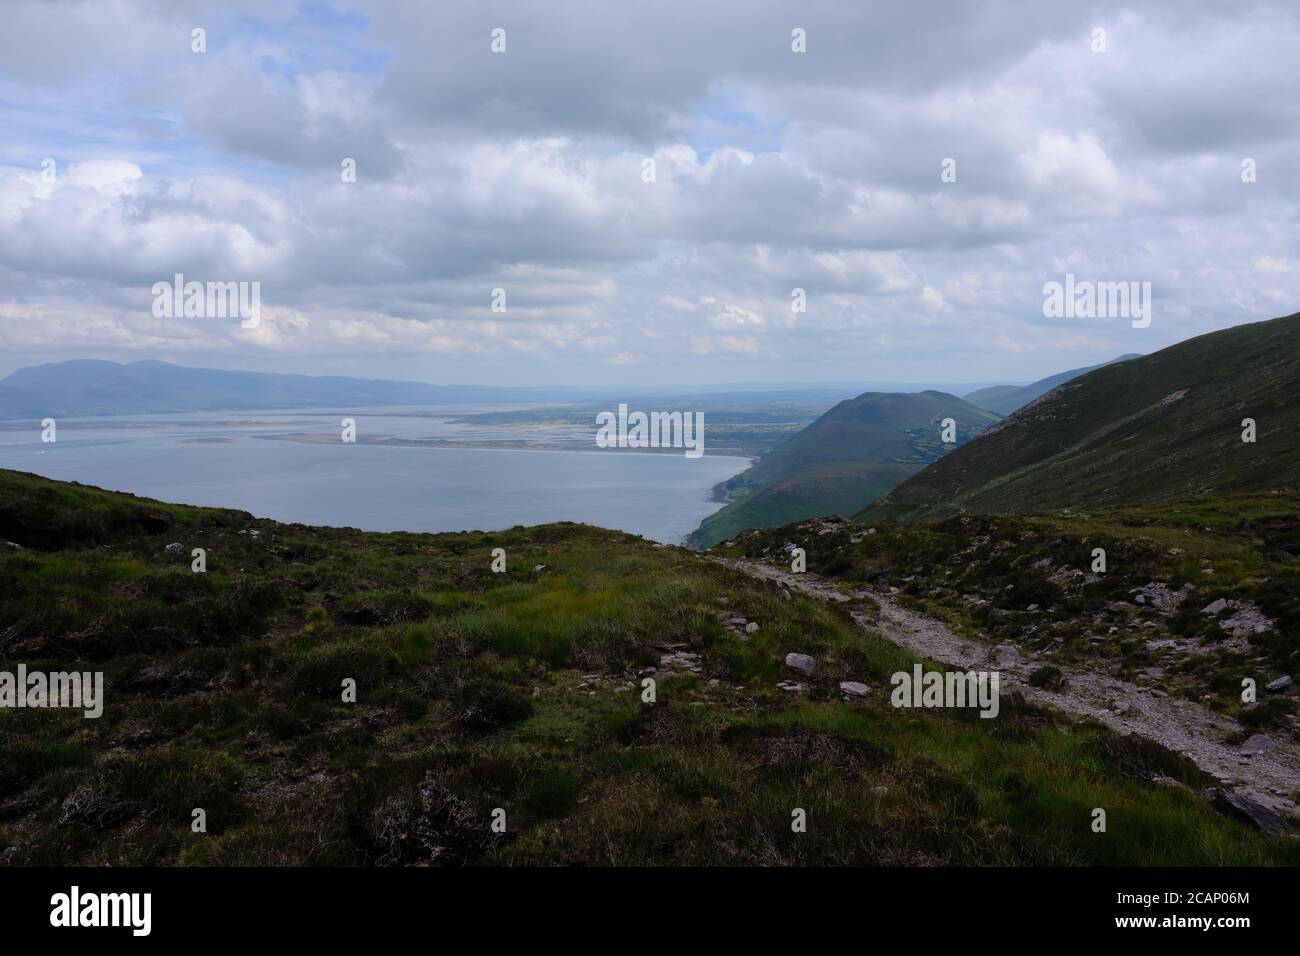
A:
<point x="1246" y="620"/>
<point x="801" y="664"/>
<point x="10" y="854"/>
<point x="683" y="660"/>
<point x="751" y="627"/>
<point x="854" y="688"/>
<point x="789" y="685"/>
<point x="1165" y="596"/>
<point x="1008" y="652"/>
<point x="538" y="568"/>
<point x="1246" y="809"/>
<point x="1258" y="744"/>
<point x="785" y="595"/>
<point x="1214" y="607"/>
<point x="175" y="548"/>
<point x="1282" y="683"/>
<point x="1064" y="575"/>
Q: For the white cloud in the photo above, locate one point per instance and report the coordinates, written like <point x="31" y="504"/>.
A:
<point x="524" y="172"/>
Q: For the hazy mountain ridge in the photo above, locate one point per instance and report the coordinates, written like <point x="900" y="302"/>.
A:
<point x="94" y="387"/>
<point x="1005" y="399"/>
<point x="90" y="387"/>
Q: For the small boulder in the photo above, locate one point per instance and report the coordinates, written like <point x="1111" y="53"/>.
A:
<point x="751" y="627"/>
<point x="1258" y="744"/>
<point x="175" y="548"/>
<point x="1214" y="607"/>
<point x="1234" y="804"/>
<point x="801" y="664"/>
<point x="1282" y="683"/>
<point x="854" y="688"/>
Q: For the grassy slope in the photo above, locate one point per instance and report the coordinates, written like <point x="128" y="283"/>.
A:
<point x="841" y="462"/>
<point x="1121" y="434"/>
<point x="224" y="693"/>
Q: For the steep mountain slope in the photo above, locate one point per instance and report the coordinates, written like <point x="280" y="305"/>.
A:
<point x="1005" y="399"/>
<point x="1156" y="428"/>
<point x="842" y="461"/>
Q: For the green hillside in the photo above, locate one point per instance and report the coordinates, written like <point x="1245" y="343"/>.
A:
<point x="1157" y="428"/>
<point x="841" y="462"/>
<point x="518" y="691"/>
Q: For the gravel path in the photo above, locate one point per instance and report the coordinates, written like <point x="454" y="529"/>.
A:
<point x="1271" y="778"/>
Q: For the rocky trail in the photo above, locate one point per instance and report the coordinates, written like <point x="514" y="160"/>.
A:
<point x="1266" y="773"/>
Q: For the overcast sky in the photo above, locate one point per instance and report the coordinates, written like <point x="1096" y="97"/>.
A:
<point x="525" y="170"/>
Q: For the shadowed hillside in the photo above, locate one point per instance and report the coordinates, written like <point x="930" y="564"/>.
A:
<point x="842" y="461"/>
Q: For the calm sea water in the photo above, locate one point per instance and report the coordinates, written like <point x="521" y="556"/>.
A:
<point x="292" y="466"/>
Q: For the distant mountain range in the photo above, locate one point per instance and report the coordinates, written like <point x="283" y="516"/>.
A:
<point x="94" y="387"/>
<point x="1157" y="428"/>
<point x="1005" y="399"/>
<point x="842" y="461"/>
<point x="88" y="387"/>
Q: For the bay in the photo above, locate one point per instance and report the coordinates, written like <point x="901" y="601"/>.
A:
<point x="403" y="472"/>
